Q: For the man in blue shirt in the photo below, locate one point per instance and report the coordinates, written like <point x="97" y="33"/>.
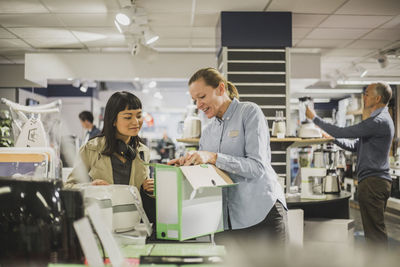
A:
<point x="372" y="141"/>
<point x="86" y="118"/>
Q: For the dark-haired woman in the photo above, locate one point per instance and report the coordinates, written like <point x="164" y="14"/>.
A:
<point x="237" y="141"/>
<point x="116" y="156"/>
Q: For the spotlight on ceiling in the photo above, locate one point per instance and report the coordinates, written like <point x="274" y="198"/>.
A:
<point x="124" y="16"/>
<point x="382" y="60"/>
<point x="84" y="87"/>
<point x="76" y="83"/>
<point x="158" y="95"/>
<point x="150" y="37"/>
<point x="363" y="71"/>
<point x="118" y="26"/>
<point x="152" y="84"/>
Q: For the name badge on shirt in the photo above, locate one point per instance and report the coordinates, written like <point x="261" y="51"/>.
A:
<point x="233" y="133"/>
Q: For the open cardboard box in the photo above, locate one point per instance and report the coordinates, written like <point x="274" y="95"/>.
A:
<point x="189" y="200"/>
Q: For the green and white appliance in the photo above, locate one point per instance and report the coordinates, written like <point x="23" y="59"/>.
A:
<point x="189" y="201"/>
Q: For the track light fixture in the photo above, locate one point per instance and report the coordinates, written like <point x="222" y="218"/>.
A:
<point x="135" y="48"/>
<point x="363" y="71"/>
<point x="360" y="69"/>
<point x="124" y="16"/>
<point x="76" y="83"/>
<point x="150" y="37"/>
<point x="84" y="87"/>
<point x="382" y="60"/>
<point x="132" y="21"/>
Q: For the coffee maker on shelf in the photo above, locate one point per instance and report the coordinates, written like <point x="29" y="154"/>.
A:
<point x="307" y="128"/>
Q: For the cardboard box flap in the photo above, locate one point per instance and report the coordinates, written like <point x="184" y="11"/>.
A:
<point x="205" y="175"/>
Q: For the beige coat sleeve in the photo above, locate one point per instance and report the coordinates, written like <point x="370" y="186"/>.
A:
<point x="81" y="169"/>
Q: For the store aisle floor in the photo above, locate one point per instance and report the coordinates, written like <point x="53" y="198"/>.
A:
<point x="392" y="225"/>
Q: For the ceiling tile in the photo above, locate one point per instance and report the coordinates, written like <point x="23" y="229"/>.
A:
<point x="307" y="20"/>
<point x="323" y="43"/>
<point x="165" y="6"/>
<point x="30" y="20"/>
<point x="81" y="6"/>
<point x="25" y="6"/>
<point x="169" y="19"/>
<point x="328" y="33"/>
<point x="306" y="6"/>
<point x="346" y="52"/>
<point x="203" y="32"/>
<point x="209" y="6"/>
<point x="387" y="72"/>
<point x="172" y="32"/>
<point x="206" y="20"/>
<point x="175" y="42"/>
<point x="352" y="21"/>
<point x="370" y="7"/>
<point x="87" y="20"/>
<point x="108" y="42"/>
<point x="203" y="42"/>
<point x="384" y="34"/>
<point x="43" y="33"/>
<point x="369" y="44"/>
<point x="394" y="23"/>
<point x="338" y="59"/>
<point x="13" y="43"/>
<point x="6" y="34"/>
<point x="299" y="33"/>
<point x="93" y="34"/>
<point x="54" y="43"/>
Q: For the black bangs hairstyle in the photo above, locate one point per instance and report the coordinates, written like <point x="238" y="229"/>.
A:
<point x="118" y="102"/>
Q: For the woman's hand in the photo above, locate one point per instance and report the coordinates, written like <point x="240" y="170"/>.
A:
<point x="99" y="182"/>
<point x="148" y="185"/>
<point x="195" y="158"/>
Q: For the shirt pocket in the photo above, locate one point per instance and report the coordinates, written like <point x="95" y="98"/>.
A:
<point x="233" y="136"/>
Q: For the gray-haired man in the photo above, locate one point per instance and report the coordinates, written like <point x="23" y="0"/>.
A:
<point x="372" y="140"/>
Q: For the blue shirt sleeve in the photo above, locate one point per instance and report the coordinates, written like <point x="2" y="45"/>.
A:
<point x="252" y="165"/>
<point x="350" y="145"/>
<point x="367" y="127"/>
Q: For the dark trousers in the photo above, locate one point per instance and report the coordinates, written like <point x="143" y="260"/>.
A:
<point x="272" y="229"/>
<point x="373" y="193"/>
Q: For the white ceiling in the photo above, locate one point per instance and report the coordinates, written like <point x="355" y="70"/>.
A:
<point x="344" y="31"/>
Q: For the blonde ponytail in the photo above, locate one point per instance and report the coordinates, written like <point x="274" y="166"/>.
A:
<point x="232" y="90"/>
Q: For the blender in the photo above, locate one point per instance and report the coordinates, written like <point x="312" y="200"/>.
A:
<point x="307" y="128"/>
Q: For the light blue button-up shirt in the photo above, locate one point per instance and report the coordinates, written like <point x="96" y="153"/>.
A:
<point x="241" y="141"/>
<point x="372" y="144"/>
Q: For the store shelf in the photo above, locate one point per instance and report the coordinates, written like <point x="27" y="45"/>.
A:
<point x="193" y="141"/>
<point x="311" y="141"/>
<point x="289" y="139"/>
<point x="298" y="142"/>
